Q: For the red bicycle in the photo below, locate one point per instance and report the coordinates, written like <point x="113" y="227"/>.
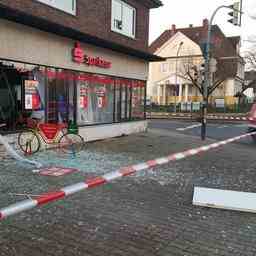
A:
<point x="30" y="140"/>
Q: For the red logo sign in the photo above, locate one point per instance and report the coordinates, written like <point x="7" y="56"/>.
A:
<point x="49" y="130"/>
<point x="80" y="57"/>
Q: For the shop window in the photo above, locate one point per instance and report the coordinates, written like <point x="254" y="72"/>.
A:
<point x="95" y="100"/>
<point x="138" y="100"/>
<point x="21" y="94"/>
<point x="123" y="18"/>
<point x="68" y="6"/>
<point x="123" y="100"/>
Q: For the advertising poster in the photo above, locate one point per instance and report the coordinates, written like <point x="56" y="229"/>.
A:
<point x="83" y="96"/>
<point x="32" y="98"/>
<point x="101" y="96"/>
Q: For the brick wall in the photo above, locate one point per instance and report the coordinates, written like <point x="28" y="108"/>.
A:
<point x="93" y="17"/>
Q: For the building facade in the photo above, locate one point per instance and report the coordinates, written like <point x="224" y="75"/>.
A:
<point x="85" y="61"/>
<point x="182" y="48"/>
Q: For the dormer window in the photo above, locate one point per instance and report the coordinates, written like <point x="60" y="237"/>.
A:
<point x="123" y="19"/>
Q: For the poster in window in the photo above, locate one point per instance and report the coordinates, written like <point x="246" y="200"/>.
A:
<point x="83" y="96"/>
<point x="32" y="98"/>
<point x="101" y="97"/>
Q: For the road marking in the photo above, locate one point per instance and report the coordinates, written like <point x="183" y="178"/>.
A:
<point x="223" y="126"/>
<point x="189" y="127"/>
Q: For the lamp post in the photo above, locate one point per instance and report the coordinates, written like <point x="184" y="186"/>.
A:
<point x="176" y="76"/>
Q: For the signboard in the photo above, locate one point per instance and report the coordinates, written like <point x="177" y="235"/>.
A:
<point x="49" y="130"/>
<point x="220" y="103"/>
<point x="80" y="57"/>
<point x="196" y="106"/>
<point x="32" y="98"/>
<point x="56" y="171"/>
<point x="183" y="106"/>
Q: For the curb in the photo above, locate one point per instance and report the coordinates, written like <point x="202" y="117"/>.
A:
<point x="125" y="171"/>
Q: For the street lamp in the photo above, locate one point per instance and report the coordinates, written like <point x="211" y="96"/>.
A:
<point x="176" y="75"/>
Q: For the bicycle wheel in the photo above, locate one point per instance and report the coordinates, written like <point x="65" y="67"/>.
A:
<point x="71" y="143"/>
<point x="29" y="142"/>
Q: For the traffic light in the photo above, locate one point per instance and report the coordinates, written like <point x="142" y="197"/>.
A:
<point x="235" y="14"/>
<point x="202" y="71"/>
<point x="196" y="74"/>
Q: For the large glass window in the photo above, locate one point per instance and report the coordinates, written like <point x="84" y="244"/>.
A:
<point x="59" y="95"/>
<point x="64" y="5"/>
<point x="96" y="100"/>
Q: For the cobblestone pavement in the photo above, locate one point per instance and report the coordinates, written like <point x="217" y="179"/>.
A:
<point x="147" y="214"/>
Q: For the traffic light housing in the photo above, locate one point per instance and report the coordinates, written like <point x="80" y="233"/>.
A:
<point x="235" y="14"/>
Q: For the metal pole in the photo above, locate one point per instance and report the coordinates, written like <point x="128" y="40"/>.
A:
<point x="176" y="77"/>
<point x="207" y="80"/>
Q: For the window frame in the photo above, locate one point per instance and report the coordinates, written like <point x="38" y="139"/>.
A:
<point x="134" y="24"/>
<point x="72" y="12"/>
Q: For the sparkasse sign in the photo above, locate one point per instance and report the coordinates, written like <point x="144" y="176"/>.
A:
<point x="80" y="57"/>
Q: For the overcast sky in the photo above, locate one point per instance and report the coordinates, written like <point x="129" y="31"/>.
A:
<point x="185" y="12"/>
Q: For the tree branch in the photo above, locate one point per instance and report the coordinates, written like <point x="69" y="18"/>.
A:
<point x="215" y="86"/>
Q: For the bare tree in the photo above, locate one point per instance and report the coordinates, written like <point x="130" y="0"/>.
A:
<point x="191" y="71"/>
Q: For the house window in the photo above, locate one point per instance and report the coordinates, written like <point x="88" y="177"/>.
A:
<point x="68" y="6"/>
<point x="123" y="18"/>
<point x="164" y="67"/>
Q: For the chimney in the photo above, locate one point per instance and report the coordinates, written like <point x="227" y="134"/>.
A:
<point x="191" y="25"/>
<point x="205" y="23"/>
<point x="173" y="30"/>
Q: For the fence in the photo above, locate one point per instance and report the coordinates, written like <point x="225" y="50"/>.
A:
<point x="194" y="107"/>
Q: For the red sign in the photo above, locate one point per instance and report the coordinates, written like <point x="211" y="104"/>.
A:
<point x="49" y="130"/>
<point x="56" y="171"/>
<point x="80" y="57"/>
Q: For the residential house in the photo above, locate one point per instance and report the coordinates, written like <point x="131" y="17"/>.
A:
<point x="183" y="48"/>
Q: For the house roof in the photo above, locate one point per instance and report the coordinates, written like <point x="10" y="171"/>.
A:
<point x="234" y="40"/>
<point x="222" y="48"/>
<point x="250" y="75"/>
<point x="153" y="3"/>
<point x="62" y="30"/>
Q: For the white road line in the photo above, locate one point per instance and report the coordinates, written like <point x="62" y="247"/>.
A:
<point x="189" y="127"/>
<point x="223" y="126"/>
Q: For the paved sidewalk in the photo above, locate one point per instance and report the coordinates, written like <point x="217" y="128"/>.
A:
<point x="146" y="214"/>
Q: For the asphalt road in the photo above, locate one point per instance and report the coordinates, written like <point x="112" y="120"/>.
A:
<point x="215" y="130"/>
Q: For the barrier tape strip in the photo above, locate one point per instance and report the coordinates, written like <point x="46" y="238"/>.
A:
<point x="125" y="171"/>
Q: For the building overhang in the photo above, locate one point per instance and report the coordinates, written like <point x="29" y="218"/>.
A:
<point x="152" y="3"/>
<point x="61" y="30"/>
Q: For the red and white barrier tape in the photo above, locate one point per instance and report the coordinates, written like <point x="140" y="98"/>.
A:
<point x="125" y="171"/>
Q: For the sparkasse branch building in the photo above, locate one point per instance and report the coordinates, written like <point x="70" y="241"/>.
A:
<point x="80" y="60"/>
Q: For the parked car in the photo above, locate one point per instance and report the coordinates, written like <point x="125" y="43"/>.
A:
<point x="252" y="121"/>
